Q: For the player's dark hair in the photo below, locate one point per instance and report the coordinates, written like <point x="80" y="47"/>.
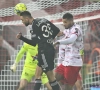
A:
<point x="26" y="13"/>
<point x="68" y="16"/>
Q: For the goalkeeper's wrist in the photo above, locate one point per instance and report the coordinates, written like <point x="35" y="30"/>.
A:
<point x="16" y="63"/>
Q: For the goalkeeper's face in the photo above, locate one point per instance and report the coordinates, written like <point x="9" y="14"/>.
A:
<point x="25" y="20"/>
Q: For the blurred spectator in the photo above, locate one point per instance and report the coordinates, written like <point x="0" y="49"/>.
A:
<point x="4" y="55"/>
<point x="95" y="62"/>
<point x="87" y="52"/>
<point x="94" y="45"/>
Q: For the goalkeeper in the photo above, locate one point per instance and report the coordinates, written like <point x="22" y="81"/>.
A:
<point x="29" y="66"/>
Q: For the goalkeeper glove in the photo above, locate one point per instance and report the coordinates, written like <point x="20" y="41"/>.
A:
<point x="13" y="67"/>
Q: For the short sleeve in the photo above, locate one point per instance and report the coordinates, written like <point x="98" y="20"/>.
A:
<point x="76" y="30"/>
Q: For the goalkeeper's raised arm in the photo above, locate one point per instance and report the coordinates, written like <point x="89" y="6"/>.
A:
<point x="18" y="58"/>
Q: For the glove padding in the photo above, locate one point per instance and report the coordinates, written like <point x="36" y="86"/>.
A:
<point x="13" y="67"/>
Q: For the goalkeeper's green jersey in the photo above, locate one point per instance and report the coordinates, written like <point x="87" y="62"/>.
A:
<point x="31" y="54"/>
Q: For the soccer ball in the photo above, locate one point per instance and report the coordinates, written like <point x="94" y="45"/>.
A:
<point x="20" y="7"/>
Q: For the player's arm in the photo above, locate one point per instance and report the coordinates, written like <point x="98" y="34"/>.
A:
<point x="60" y="34"/>
<point x="20" y="54"/>
<point x="69" y="40"/>
<point x="18" y="58"/>
<point x="32" y="41"/>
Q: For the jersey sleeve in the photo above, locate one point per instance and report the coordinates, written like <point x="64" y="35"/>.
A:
<point x="76" y="31"/>
<point x="21" y="53"/>
<point x="32" y="41"/>
<point x="69" y="40"/>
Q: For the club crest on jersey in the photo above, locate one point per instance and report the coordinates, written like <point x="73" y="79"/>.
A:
<point x="76" y="30"/>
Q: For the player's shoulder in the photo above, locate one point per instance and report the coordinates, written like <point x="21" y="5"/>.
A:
<point x="37" y="19"/>
<point x="41" y="20"/>
<point x="75" y="27"/>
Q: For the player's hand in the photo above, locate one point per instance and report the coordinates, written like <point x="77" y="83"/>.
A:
<point x="19" y="35"/>
<point x="60" y="34"/>
<point x="56" y="43"/>
<point x="13" y="67"/>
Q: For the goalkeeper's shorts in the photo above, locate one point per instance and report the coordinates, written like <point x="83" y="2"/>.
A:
<point x="29" y="73"/>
